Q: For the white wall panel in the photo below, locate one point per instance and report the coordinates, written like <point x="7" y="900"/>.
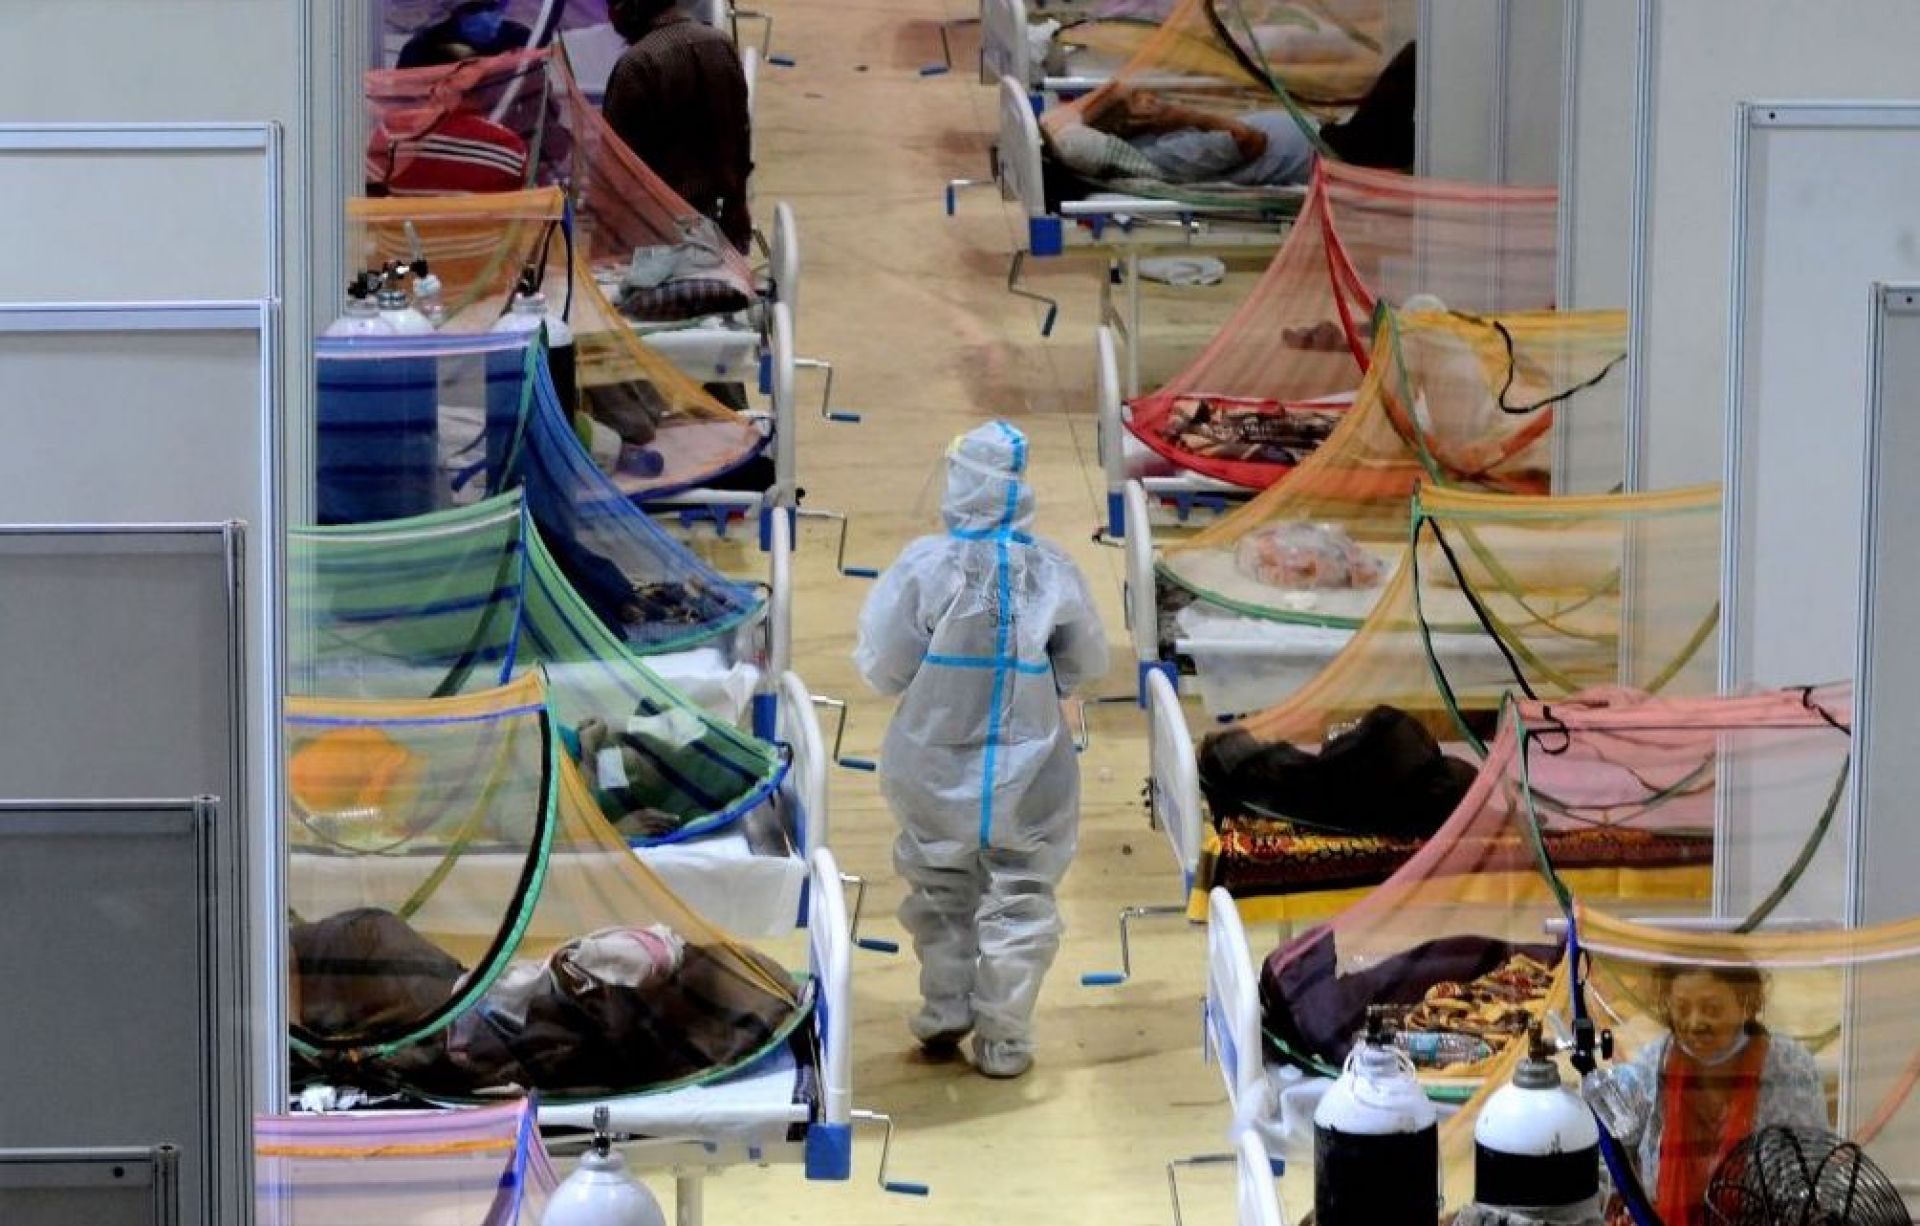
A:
<point x="1704" y="57"/>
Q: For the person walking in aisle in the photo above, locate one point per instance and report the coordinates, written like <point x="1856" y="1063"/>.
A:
<point x="983" y="631"/>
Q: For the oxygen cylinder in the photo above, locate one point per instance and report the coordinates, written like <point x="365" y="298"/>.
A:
<point x="377" y="414"/>
<point x="600" y="1192"/>
<point x="399" y="312"/>
<point x="360" y="318"/>
<point x="1535" y="1145"/>
<point x="526" y="314"/>
<point x="1376" y="1141"/>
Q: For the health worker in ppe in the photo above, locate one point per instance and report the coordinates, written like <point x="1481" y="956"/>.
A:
<point x="982" y="630"/>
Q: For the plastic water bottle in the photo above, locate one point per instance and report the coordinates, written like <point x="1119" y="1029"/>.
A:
<point x="426" y="295"/>
<point x="1620" y="1095"/>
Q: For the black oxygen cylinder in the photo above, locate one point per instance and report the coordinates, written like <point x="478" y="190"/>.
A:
<point x="1376" y="1143"/>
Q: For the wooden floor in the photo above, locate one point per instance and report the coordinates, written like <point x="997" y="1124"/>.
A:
<point x="911" y="307"/>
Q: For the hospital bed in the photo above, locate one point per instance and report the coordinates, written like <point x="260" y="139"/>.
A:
<point x="1124" y="458"/>
<point x="793" y="1108"/>
<point x="758" y="346"/>
<point x="1173" y="808"/>
<point x="1241" y="664"/>
<point x="751" y="877"/>
<point x="1231" y="1040"/>
<point x="1012" y="45"/>
<point x="1268" y="1103"/>
<point x="1121" y="228"/>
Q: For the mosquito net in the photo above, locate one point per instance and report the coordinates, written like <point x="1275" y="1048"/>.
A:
<point x="1319" y="53"/>
<point x="482" y="247"/>
<point x="1304" y="333"/>
<point x="413" y="424"/>
<point x="1221" y="101"/>
<point x="520" y="119"/>
<point x="468" y="598"/>
<point x="481" y="1166"/>
<point x="1685" y="809"/>
<point x="1321" y="797"/>
<point x="1448" y="399"/>
<point x="465" y="921"/>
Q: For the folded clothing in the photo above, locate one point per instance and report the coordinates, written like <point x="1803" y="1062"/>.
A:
<point x="1385" y="776"/>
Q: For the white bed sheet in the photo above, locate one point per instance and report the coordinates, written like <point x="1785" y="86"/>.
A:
<point x="705" y="676"/>
<point x="753" y="1107"/>
<point x="1247" y="664"/>
<point x="730" y="885"/>
<point x="721" y="877"/>
<point x="709" y="352"/>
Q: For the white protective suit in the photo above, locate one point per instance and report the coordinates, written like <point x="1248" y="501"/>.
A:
<point x="983" y="630"/>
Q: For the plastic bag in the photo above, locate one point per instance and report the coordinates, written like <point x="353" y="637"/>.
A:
<point x="1295" y="554"/>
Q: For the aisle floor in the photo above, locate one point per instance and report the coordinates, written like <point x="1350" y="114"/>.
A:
<point x="912" y="309"/>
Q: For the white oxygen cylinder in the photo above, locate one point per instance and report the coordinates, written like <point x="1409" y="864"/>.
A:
<point x="527" y="312"/>
<point x="361" y="318"/>
<point x="399" y="312"/>
<point x="601" y="1192"/>
<point x="1376" y="1119"/>
<point x="1535" y="1145"/>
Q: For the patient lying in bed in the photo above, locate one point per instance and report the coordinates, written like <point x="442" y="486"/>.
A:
<point x="1185" y="144"/>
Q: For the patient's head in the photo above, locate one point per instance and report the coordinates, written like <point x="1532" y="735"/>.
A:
<point x="1708" y="1008"/>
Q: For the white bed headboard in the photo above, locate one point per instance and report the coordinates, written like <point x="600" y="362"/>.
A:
<point x="785" y="246"/>
<point x="800" y="728"/>
<point x="785" y="458"/>
<point x="830" y="942"/>
<point x="1018" y="153"/>
<point x="1175" y="776"/>
<point x="1259" y="1198"/>
<point x="1004" y="49"/>
<point x="1233" y="1007"/>
<point x="1143" y="612"/>
<point x="1106" y="404"/>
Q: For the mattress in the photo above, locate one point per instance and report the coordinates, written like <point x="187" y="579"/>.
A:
<point x="709" y="350"/>
<point x="761" y="1105"/>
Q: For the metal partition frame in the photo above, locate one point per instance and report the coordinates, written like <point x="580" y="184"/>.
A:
<point x="1821" y="211"/>
<point x="255" y="800"/>
<point x="162" y="883"/>
<point x="1695" y="60"/>
<point x="1886" y="700"/>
